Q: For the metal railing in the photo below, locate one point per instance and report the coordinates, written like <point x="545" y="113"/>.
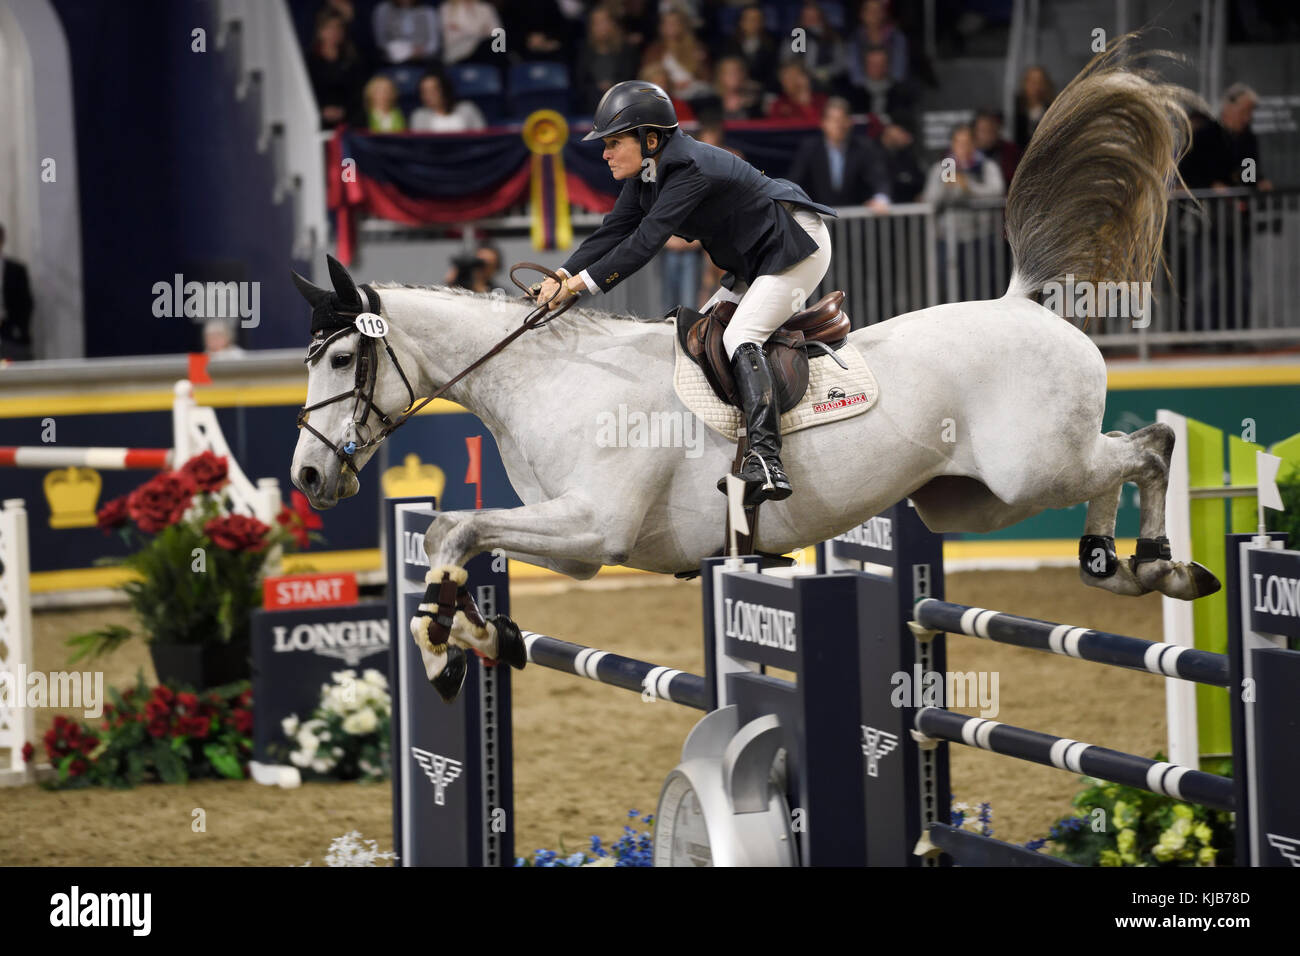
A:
<point x="1229" y="273"/>
<point x="1230" y="257"/>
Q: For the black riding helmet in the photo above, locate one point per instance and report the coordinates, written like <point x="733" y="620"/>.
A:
<point x="633" y="104"/>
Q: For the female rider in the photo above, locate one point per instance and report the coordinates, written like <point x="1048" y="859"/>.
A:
<point x="766" y="234"/>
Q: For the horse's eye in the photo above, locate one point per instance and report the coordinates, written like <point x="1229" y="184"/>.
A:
<point x="341" y="360"/>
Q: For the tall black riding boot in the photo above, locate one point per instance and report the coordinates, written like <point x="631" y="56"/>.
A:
<point x="761" y="470"/>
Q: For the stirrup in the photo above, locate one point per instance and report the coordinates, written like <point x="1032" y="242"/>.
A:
<point x="767" y="485"/>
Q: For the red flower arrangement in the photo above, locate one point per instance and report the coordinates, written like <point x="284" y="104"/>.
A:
<point x="198" y="565"/>
<point x="237" y="533"/>
<point x="208" y="471"/>
<point x="156" y="733"/>
<point x="300" y="520"/>
<point x="161" y="501"/>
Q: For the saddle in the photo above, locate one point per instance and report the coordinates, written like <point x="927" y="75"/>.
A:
<point x="822" y="325"/>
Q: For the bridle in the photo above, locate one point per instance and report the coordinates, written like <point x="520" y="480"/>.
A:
<point x="343" y="323"/>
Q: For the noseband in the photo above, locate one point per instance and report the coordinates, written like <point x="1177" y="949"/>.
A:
<point x="367" y="373"/>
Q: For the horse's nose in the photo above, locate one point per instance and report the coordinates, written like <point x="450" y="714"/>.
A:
<point x="309" y="480"/>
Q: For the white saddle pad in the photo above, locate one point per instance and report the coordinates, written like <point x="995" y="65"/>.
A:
<point x="833" y="393"/>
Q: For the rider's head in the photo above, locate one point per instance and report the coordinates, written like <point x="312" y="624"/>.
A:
<point x="635" y="119"/>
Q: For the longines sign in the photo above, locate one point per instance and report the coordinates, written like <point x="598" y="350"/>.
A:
<point x="1274" y="592"/>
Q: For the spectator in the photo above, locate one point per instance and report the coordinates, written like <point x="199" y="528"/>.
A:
<point x="605" y="58"/>
<point x="381" y="106"/>
<point x="344" y="8"/>
<point x="753" y="44"/>
<point x="906" y="178"/>
<point x="798" y="99"/>
<point x="1218" y="150"/>
<point x="681" y="263"/>
<point x="989" y="141"/>
<point x="545" y="31"/>
<point x="219" y="336"/>
<point x="337" y="74"/>
<point x="820" y="49"/>
<point x="656" y="74"/>
<point x="681" y="55"/>
<point x="15" y="299"/>
<point x="839" y="169"/>
<point x="467" y="27"/>
<point x="879" y="94"/>
<point x="638" y="18"/>
<point x="490" y="256"/>
<point x="952" y="185"/>
<point x="440" y="111"/>
<point x="468" y="272"/>
<point x="712" y="133"/>
<point x="1036" y="95"/>
<point x="406" y="30"/>
<point x="876" y="29"/>
<point x="737" y="95"/>
<point x="1217" y="160"/>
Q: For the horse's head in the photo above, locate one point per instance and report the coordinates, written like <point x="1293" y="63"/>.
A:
<point x="356" y="388"/>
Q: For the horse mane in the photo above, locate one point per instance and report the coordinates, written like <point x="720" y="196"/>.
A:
<point x="577" y="311"/>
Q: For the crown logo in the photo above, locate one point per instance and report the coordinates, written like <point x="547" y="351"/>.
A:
<point x="72" y="494"/>
<point x="414" y="480"/>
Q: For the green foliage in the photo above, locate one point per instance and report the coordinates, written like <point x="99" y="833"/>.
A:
<point x="155" y="734"/>
<point x="1288" y="520"/>
<point x="1125" y="826"/>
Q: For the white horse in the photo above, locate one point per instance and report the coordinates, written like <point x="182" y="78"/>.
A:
<point x="988" y="412"/>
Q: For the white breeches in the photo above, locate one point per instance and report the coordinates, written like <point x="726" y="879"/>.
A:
<point x="771" y="299"/>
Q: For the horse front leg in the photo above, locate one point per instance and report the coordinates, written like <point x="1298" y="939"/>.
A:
<point x="549" y="533"/>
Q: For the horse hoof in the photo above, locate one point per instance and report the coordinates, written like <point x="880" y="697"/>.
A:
<point x="510" y="643"/>
<point x="1206" y="582"/>
<point x="1183" y="582"/>
<point x="451" y="678"/>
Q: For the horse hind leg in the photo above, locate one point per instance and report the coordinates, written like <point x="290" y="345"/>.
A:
<point x="1142" y="458"/>
<point x="1099" y="567"/>
<point x="1153" y="562"/>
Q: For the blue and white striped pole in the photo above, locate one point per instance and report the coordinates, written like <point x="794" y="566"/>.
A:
<point x="1171" y="780"/>
<point x="1169" y="660"/>
<point x="665" y="683"/>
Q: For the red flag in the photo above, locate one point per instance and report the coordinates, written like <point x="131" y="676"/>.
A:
<point x="199" y="368"/>
<point x="474" y="474"/>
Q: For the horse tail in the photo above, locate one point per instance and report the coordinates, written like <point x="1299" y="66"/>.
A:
<point x="1090" y="196"/>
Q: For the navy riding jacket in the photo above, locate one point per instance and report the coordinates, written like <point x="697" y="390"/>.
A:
<point x="699" y="192"/>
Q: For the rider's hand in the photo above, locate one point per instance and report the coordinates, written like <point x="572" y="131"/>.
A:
<point x="549" y="288"/>
<point x="573" y="285"/>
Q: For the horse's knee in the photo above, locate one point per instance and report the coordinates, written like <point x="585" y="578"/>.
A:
<point x="448" y="539"/>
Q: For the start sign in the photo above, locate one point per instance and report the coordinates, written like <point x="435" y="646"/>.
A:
<point x="309" y="590"/>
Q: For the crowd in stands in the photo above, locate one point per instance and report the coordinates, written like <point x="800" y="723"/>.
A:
<point x="853" y="69"/>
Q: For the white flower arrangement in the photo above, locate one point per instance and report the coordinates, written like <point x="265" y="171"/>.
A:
<point x="351" y="850"/>
<point x="347" y="735"/>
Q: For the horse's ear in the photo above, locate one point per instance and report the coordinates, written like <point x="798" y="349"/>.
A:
<point x="343" y="284"/>
<point x="313" y="293"/>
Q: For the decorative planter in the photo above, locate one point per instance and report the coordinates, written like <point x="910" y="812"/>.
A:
<point x="200" y="665"/>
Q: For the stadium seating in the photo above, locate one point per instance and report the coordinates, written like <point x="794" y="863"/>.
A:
<point x="481" y="85"/>
<point x="536" y="86"/>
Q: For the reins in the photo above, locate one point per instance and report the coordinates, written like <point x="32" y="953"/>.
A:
<point x="367" y="374"/>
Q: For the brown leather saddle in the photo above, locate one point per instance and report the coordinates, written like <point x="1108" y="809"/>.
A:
<point x="822" y="325"/>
